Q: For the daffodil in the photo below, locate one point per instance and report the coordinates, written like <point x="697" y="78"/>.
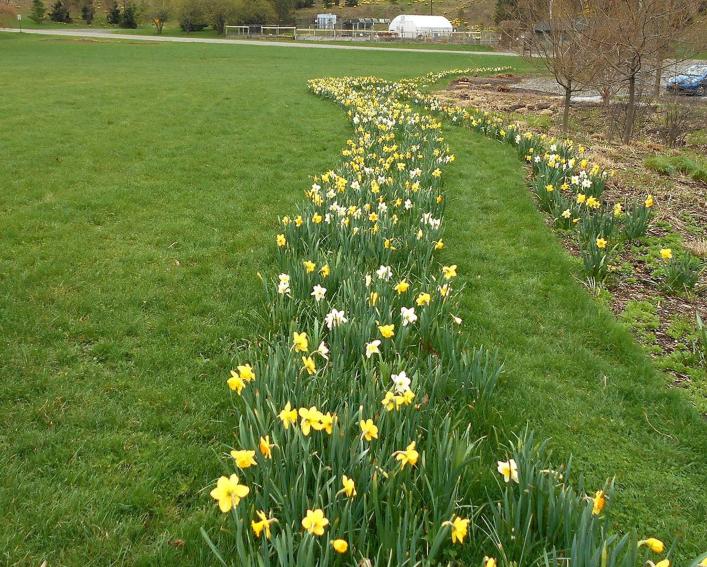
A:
<point x="663" y="563"/>
<point x="369" y="430"/>
<point x="373" y="298"/>
<point x="407" y="315"/>
<point x="601" y="243"/>
<point x="288" y="416"/>
<point x="281" y="240"/>
<point x="309" y="365"/>
<point x="402" y="287"/>
<point x="228" y="493"/>
<point x="423" y="299"/>
<point x="246" y="372"/>
<point x="618" y="210"/>
<point x="407" y="457"/>
<point x="309" y="266"/>
<point x="372" y="348"/>
<point x="655" y="545"/>
<point x="318" y="293"/>
<point x="489" y="562"/>
<point x="310" y="419"/>
<point x="649" y="202"/>
<point x="235" y="382"/>
<point x="599" y="501"/>
<point x="325" y="271"/>
<point x="666" y="253"/>
<point x="349" y="486"/>
<point x="300" y="342"/>
<point x="262" y="526"/>
<point x="509" y="470"/>
<point x="244" y="458"/>
<point x="460" y="527"/>
<point x="340" y="545"/>
<point x="315" y="522"/>
<point x="387" y="331"/>
<point x="449" y="272"/>
<point x="266" y="447"/>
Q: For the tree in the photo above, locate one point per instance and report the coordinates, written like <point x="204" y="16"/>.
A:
<point x="113" y="15"/>
<point x="630" y="36"/>
<point x="60" y="13"/>
<point x="88" y="11"/>
<point x="284" y="8"/>
<point x="192" y="15"/>
<point x="554" y="30"/>
<point x="38" y="12"/>
<point x="505" y="10"/>
<point x="220" y="12"/>
<point x="159" y="12"/>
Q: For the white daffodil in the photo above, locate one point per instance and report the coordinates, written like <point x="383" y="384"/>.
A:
<point x="318" y="292"/>
<point x="407" y="314"/>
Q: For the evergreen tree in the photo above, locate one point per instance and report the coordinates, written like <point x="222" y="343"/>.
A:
<point x="60" y="13"/>
<point x="39" y="11"/>
<point x="88" y="10"/>
<point x="128" y="19"/>
<point x="113" y="16"/>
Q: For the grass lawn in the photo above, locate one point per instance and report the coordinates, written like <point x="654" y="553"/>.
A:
<point x="141" y="186"/>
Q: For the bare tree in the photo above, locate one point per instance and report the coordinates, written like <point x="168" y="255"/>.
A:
<point x="631" y="36"/>
<point x="554" y="30"/>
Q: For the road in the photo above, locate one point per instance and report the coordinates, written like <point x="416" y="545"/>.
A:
<point x="263" y="43"/>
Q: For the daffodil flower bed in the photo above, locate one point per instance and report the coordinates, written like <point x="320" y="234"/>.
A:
<point x="353" y="441"/>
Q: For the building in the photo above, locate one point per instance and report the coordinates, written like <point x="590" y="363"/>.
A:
<point x="421" y="27"/>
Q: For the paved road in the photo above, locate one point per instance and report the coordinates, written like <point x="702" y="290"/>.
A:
<point x="111" y="35"/>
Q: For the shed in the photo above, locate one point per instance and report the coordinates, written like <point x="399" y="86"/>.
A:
<point x="414" y="27"/>
<point x="326" y="21"/>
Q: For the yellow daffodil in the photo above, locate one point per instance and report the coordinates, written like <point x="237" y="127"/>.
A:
<point x="288" y="416"/>
<point x="509" y="470"/>
<point x="373" y="298"/>
<point x="281" y="240"/>
<point x="407" y="457"/>
<point x="246" y="372"/>
<point x="311" y="419"/>
<point x="308" y="365"/>
<point x="649" y="201"/>
<point x="449" y="272"/>
<point x="299" y="221"/>
<point x="228" y="492"/>
<point x="618" y="209"/>
<point x="309" y="266"/>
<point x="244" y="459"/>
<point x="581" y="198"/>
<point x="266" y="447"/>
<point x="315" y="522"/>
<point x="459" y="526"/>
<point x="666" y="253"/>
<point x="317" y="218"/>
<point x="262" y="526"/>
<point x="369" y="430"/>
<point x="402" y="287"/>
<point x="300" y="342"/>
<point x="325" y="271"/>
<point x="599" y="501"/>
<point x="601" y="243"/>
<point x="489" y="562"/>
<point x="349" y="486"/>
<point x="423" y="299"/>
<point x="655" y="545"/>
<point x="235" y="382"/>
<point x="439" y="245"/>
<point x="663" y="563"/>
<point x="387" y="331"/>
<point x="340" y="545"/>
<point x="549" y="187"/>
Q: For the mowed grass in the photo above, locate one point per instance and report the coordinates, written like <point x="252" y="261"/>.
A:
<point x="140" y="190"/>
<point x="141" y="184"/>
<point x="573" y="373"/>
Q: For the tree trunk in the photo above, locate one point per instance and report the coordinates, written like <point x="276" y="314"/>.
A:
<point x="658" y="76"/>
<point x="630" y="109"/>
<point x="566" y="112"/>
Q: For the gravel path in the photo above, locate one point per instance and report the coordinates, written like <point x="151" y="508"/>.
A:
<point x="111" y="35"/>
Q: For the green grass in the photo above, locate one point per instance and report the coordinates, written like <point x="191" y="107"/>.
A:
<point x="691" y="165"/>
<point x="573" y="372"/>
<point x="141" y="188"/>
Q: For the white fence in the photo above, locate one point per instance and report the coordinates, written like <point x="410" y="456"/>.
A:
<point x="316" y="34"/>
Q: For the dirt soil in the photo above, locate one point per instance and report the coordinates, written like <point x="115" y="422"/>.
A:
<point x="537" y="105"/>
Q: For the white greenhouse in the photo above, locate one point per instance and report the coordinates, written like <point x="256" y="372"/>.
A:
<point x="418" y="27"/>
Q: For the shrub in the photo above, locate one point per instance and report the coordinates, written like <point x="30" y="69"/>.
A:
<point x="192" y="15"/>
<point x="38" y="12"/>
<point x="60" y="13"/>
